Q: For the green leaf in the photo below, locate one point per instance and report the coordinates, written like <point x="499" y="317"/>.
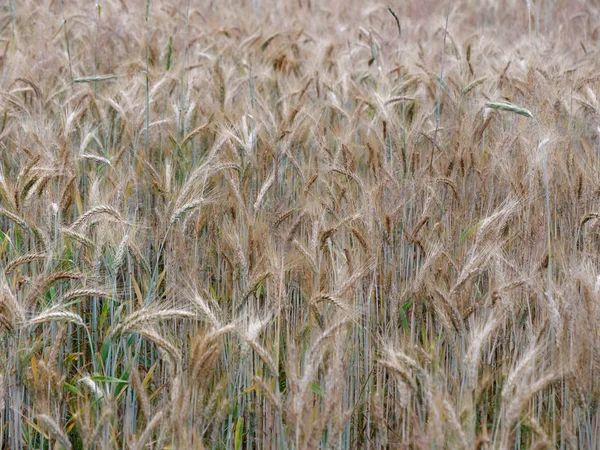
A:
<point x="73" y="389"/>
<point x="239" y="433"/>
<point x="105" y="379"/>
<point x="62" y="24"/>
<point x="120" y="383"/>
<point x="316" y="389"/>
<point x="94" y="78"/>
<point x="506" y="106"/>
<point x="120" y="387"/>
<point x="403" y="318"/>
<point x="169" y="52"/>
<point x="468" y="232"/>
<point x="104" y="314"/>
<point x="105" y="350"/>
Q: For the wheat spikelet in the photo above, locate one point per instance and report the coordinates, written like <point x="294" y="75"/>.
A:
<point x="5" y="322"/>
<point x="183" y="210"/>
<point x="506" y="106"/>
<point x="477" y="339"/>
<point x="23" y="260"/>
<point x="42" y="283"/>
<point x="97" y="211"/>
<point x="100" y="425"/>
<point x="456" y="318"/>
<point x="148" y="315"/>
<point x="93" y="387"/>
<point x="120" y="253"/>
<point x="95" y="158"/>
<point x="141" y="393"/>
<point x="77" y="237"/>
<point x="453" y="420"/>
<point x="535" y="426"/>
<point x="77" y="293"/>
<point x="474" y="84"/>
<point x="174" y="355"/>
<point x="350" y="312"/>
<point x="524" y="394"/>
<point x="56" y="315"/>
<point x="205" y="351"/>
<point x="264" y="355"/>
<point x="141" y="442"/>
<point x="16" y="219"/>
<point x="306" y="254"/>
<point x="56" y="430"/>
<point x="266" y="391"/>
<point x="206" y="310"/>
<point x="12" y="311"/>
<point x="263" y="190"/>
<point x="406" y="379"/>
<point x="94" y="78"/>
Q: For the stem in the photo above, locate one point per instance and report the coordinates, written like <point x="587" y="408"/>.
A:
<point x="439" y="105"/>
<point x="253" y="129"/>
<point x="548" y="215"/>
<point x="180" y="124"/>
<point x="147" y="76"/>
<point x="97" y="7"/>
<point x="67" y="40"/>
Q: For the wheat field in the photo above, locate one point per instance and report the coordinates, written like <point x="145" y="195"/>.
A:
<point x="299" y="225"/>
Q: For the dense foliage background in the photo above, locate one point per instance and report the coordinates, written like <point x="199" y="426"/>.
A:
<point x="299" y="224"/>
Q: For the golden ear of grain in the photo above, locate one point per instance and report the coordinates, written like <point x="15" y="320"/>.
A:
<point x="98" y="210"/>
<point x="56" y="315"/>
<point x="55" y="430"/>
<point x="141" y="442"/>
<point x="23" y="260"/>
<point x="473" y="85"/>
<point x="149" y="315"/>
<point x="77" y="293"/>
<point x="96" y="158"/>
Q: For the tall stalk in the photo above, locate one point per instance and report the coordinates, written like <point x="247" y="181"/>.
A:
<point x="438" y="111"/>
<point x="147" y="78"/>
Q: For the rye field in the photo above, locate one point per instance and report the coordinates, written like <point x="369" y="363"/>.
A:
<point x="300" y="224"/>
